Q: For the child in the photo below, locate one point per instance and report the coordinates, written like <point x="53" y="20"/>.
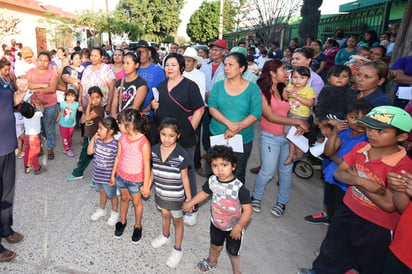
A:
<point x="251" y="64"/>
<point x="301" y="98"/>
<point x="361" y="230"/>
<point x="170" y="172"/>
<point x="104" y="148"/>
<point x="356" y="61"/>
<point x="19" y="131"/>
<point x="344" y="136"/>
<point x="231" y="208"/>
<point x="67" y="120"/>
<point x="399" y="258"/>
<point x="132" y="166"/>
<point x="334" y="98"/>
<point x="91" y="117"/>
<point x="32" y="127"/>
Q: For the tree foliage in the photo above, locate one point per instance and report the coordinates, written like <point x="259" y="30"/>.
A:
<point x="8" y="25"/>
<point x="310" y="18"/>
<point x="269" y="17"/>
<point x="158" y="19"/>
<point x="61" y="29"/>
<point x="204" y="23"/>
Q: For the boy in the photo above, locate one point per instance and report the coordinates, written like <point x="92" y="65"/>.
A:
<point x="231" y="208"/>
<point x="360" y="232"/>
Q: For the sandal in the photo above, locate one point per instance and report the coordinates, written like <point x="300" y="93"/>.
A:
<point x="50" y="155"/>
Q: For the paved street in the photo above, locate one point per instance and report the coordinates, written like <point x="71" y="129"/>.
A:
<point x="54" y="216"/>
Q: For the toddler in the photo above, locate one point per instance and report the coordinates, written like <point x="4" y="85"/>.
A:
<point x="231" y="208"/>
<point x="301" y="98"/>
<point x="103" y="147"/>
<point x="170" y="171"/>
<point x="67" y="120"/>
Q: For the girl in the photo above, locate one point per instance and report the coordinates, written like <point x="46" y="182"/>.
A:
<point x="117" y="65"/>
<point x="170" y="172"/>
<point x="67" y="120"/>
<point x="132" y="166"/>
<point x="132" y="89"/>
<point x="301" y="98"/>
<point x="319" y="60"/>
<point x="104" y="148"/>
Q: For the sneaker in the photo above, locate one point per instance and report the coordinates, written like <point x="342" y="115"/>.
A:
<point x="137" y="234"/>
<point x="92" y="184"/>
<point x="20" y="155"/>
<point x="174" y="258"/>
<point x="38" y="171"/>
<point x="161" y="240"/>
<point x="205" y="266"/>
<point x="71" y="177"/>
<point x="98" y="214"/>
<point x="119" y="229"/>
<point x="190" y="218"/>
<point x="305" y="271"/>
<point x="278" y="210"/>
<point x="321" y="218"/>
<point x="256" y="205"/>
<point x="113" y="219"/>
<point x="69" y="153"/>
<point x="27" y="169"/>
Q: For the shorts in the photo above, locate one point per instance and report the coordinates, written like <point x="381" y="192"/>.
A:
<point x="175" y="213"/>
<point x="218" y="237"/>
<point x="134" y="188"/>
<point x="110" y="190"/>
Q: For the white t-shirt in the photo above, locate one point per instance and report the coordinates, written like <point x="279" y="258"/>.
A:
<point x="21" y="68"/>
<point x="199" y="78"/>
<point x="32" y="126"/>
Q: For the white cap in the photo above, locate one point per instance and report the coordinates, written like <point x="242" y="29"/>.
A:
<point x="192" y="53"/>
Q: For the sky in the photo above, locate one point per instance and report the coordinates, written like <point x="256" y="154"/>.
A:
<point x="77" y="6"/>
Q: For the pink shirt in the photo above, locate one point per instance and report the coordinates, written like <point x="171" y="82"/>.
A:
<point x="48" y="99"/>
<point x="278" y="107"/>
<point x="131" y="160"/>
<point x="120" y="74"/>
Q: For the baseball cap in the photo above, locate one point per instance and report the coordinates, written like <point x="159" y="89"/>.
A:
<point x="387" y="117"/>
<point x="26" y="52"/>
<point x="239" y="50"/>
<point x="219" y="43"/>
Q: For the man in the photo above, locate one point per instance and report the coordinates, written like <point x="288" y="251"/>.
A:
<point x="23" y="66"/>
<point x="242" y="44"/>
<point x="77" y="47"/>
<point x="402" y="69"/>
<point x="154" y="75"/>
<point x="173" y="48"/>
<point x="13" y="48"/>
<point x="191" y="61"/>
<point x="275" y="47"/>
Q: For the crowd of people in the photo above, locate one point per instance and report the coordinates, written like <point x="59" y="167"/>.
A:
<point x="146" y="116"/>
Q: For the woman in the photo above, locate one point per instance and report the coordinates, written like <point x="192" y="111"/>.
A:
<point x="370" y="78"/>
<point x="370" y="39"/>
<point x="180" y="98"/>
<point x="287" y="58"/>
<point x="98" y="74"/>
<point x="117" y="65"/>
<point x="131" y="90"/>
<point x="235" y="104"/>
<point x="319" y="59"/>
<point x="303" y="57"/>
<point x="7" y="78"/>
<point x="343" y="55"/>
<point x="61" y="84"/>
<point x="43" y="85"/>
<point x="8" y="99"/>
<point x="331" y="49"/>
<point x="274" y="148"/>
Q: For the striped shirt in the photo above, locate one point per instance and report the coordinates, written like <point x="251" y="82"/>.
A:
<point x="103" y="160"/>
<point x="170" y="193"/>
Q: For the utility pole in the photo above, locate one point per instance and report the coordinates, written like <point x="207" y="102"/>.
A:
<point x="222" y="2"/>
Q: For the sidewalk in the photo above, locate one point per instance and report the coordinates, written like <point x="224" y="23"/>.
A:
<point x="54" y="216"/>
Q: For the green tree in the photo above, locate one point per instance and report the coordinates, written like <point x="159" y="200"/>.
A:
<point x="158" y="19"/>
<point x="310" y="18"/>
<point x="61" y="30"/>
<point x="96" y="22"/>
<point x="204" y="23"/>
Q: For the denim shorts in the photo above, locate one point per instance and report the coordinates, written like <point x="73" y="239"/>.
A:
<point x="175" y="213"/>
<point x="134" y="188"/>
<point x="110" y="190"/>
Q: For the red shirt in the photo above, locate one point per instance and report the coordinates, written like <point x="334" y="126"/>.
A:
<point x="401" y="245"/>
<point x="377" y="170"/>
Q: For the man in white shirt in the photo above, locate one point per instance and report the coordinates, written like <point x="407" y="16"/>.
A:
<point x="23" y="66"/>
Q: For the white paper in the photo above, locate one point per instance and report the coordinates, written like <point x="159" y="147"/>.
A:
<point x="155" y="94"/>
<point x="300" y="141"/>
<point x="318" y="148"/>
<point x="60" y="96"/>
<point x="236" y="142"/>
<point x="405" y="93"/>
<point x="27" y="96"/>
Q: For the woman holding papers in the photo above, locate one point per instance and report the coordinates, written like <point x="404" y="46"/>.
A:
<point x="274" y="147"/>
<point x="235" y="104"/>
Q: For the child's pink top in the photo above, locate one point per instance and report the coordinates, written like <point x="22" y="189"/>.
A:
<point x="131" y="160"/>
<point x="48" y="99"/>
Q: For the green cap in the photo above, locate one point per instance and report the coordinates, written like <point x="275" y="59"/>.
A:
<point x="387" y="117"/>
<point x="240" y="50"/>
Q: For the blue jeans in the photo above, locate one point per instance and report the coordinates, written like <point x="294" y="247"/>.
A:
<point x="48" y="125"/>
<point x="274" y="149"/>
